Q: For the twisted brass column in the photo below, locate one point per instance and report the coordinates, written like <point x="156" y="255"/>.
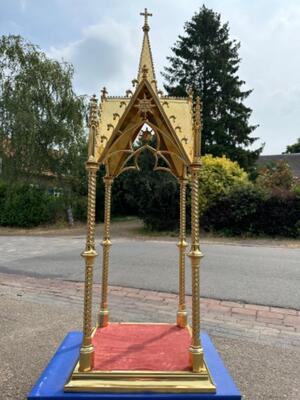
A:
<point x="196" y="351"/>
<point x="103" y="316"/>
<point x="86" y="359"/>
<point x="182" y="244"/>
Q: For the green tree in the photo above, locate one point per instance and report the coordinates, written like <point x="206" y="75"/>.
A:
<point x="293" y="148"/>
<point x="41" y="118"/>
<point x="206" y="60"/>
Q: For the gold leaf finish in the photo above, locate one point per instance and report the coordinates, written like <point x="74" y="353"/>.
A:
<point x="120" y="129"/>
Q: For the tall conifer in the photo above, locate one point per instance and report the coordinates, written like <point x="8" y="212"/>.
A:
<point x="206" y="60"/>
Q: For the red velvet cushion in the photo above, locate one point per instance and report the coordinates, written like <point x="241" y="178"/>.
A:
<point x="136" y="347"/>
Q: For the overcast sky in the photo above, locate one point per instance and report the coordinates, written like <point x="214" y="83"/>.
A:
<point x="103" y="39"/>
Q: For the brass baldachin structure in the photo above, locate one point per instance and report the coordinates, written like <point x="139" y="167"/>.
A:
<point x="120" y="129"/>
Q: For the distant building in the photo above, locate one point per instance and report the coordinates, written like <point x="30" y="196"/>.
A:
<point x="293" y="160"/>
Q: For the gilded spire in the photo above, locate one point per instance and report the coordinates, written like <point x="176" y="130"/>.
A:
<point x="146" y="54"/>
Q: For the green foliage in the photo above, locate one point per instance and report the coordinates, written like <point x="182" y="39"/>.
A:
<point x="234" y="213"/>
<point x="151" y="195"/>
<point x="79" y="209"/>
<point x="218" y="175"/>
<point x="293" y="148"/>
<point x="26" y="206"/>
<point x="206" y="60"/>
<point x="275" y="177"/>
<point x="248" y="210"/>
<point x="159" y="205"/>
<point x="154" y="196"/>
<point x="279" y="215"/>
<point x="41" y="117"/>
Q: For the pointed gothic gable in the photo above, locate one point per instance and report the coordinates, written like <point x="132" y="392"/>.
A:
<point x="122" y="120"/>
<point x="144" y="108"/>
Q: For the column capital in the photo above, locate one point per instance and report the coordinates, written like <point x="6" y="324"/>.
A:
<point x="108" y="179"/>
<point x="92" y="164"/>
<point x="196" y="164"/>
<point x="195" y="252"/>
<point x="183" y="180"/>
<point x="91" y="253"/>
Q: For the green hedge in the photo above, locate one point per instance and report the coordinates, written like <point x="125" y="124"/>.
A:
<point x="23" y="205"/>
<point x="26" y="206"/>
<point x="248" y="210"/>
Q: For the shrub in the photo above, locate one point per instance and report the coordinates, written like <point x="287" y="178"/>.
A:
<point x="79" y="209"/>
<point x="26" y="206"/>
<point x="249" y="210"/>
<point x="234" y="213"/>
<point x="158" y="202"/>
<point x="279" y="215"/>
<point x="275" y="177"/>
<point x="159" y="205"/>
<point x="218" y="176"/>
<point x="3" y="190"/>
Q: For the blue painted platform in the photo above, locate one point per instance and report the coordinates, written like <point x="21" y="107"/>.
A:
<point x="50" y="385"/>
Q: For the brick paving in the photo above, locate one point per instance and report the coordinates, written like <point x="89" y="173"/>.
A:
<point x="259" y="323"/>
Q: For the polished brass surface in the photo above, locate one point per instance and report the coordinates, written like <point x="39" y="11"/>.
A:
<point x="182" y="245"/>
<point x="103" y="316"/>
<point x="137" y="381"/>
<point x="93" y="125"/>
<point x="197" y="127"/>
<point x="120" y="129"/>
<point x="195" y="255"/>
<point x="86" y="359"/>
<point x="192" y="383"/>
<point x="146" y="59"/>
<point x="122" y="118"/>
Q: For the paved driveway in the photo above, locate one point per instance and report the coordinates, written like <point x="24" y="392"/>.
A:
<point x="253" y="274"/>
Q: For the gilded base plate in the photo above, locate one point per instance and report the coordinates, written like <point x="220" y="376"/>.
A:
<point x="139" y="381"/>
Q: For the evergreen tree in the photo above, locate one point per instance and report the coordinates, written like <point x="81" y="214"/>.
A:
<point x="206" y="60"/>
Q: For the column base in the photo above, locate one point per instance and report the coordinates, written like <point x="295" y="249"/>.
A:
<point x="103" y="318"/>
<point x="181" y="319"/>
<point x="86" y="358"/>
<point x="196" y="359"/>
<point x="50" y="385"/>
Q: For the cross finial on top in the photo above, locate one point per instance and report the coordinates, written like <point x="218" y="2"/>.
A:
<point x="146" y="14"/>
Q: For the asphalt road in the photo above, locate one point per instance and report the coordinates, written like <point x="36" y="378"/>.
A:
<point x="253" y="274"/>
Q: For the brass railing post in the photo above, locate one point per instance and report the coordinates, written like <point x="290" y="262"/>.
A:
<point x="196" y="351"/>
<point x="86" y="359"/>
<point x="182" y="244"/>
<point x="103" y="316"/>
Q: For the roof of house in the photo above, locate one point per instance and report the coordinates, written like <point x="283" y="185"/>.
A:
<point x="293" y="160"/>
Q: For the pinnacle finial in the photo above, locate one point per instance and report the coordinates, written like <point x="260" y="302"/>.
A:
<point x="104" y="93"/>
<point x="198" y="112"/>
<point x="93" y="124"/>
<point x="93" y="111"/>
<point x="146" y="14"/>
<point x="198" y="126"/>
<point x="190" y="93"/>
